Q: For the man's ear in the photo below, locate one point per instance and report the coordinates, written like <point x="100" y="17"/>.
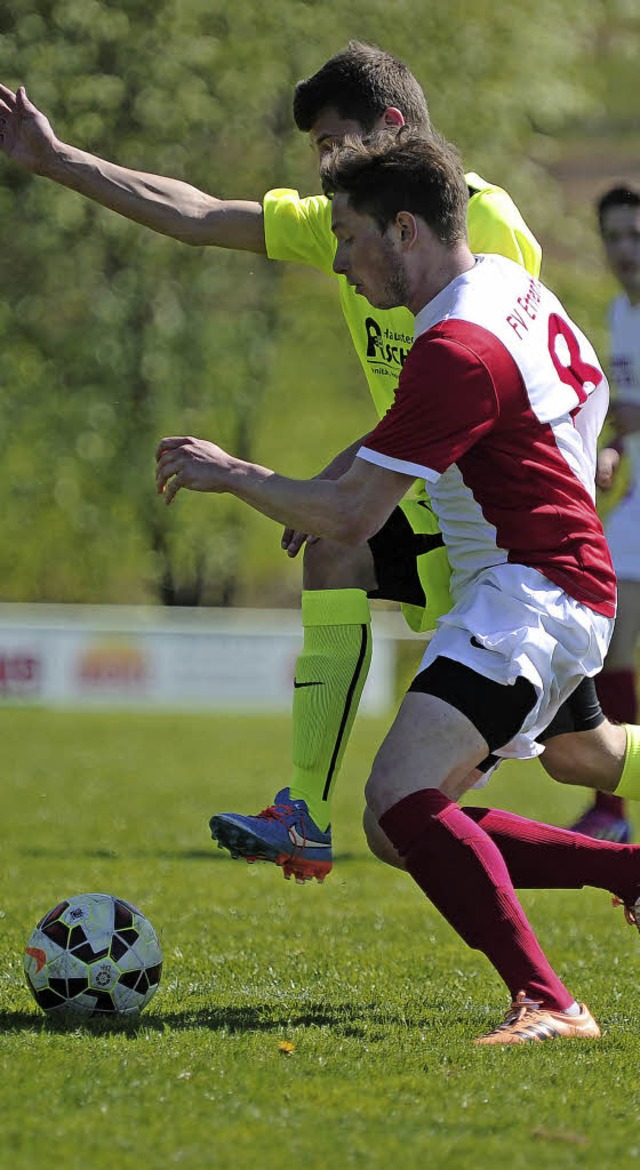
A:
<point x="393" y="117"/>
<point x="407" y="228"/>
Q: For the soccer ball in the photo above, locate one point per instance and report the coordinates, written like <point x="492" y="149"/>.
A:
<point x="93" y="955"/>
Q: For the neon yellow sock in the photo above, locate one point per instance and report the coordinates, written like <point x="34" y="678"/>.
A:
<point x="629" y="786"/>
<point x="330" y="674"/>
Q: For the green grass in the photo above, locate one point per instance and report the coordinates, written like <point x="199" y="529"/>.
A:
<point x="378" y="996"/>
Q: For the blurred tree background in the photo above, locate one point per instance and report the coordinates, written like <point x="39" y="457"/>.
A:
<point x="112" y="336"/>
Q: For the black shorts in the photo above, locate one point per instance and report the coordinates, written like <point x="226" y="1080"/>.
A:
<point x="498" y="711"/>
<point x="580" y="712"/>
<point x="395" y="550"/>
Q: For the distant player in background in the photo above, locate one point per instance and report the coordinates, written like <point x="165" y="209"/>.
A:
<point x="360" y="89"/>
<point x="619" y="221"/>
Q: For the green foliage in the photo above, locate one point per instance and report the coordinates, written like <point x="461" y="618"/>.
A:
<point x="376" y="994"/>
<point x="112" y="336"/>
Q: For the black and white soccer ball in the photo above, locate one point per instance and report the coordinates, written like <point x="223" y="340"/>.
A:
<point x="93" y="955"/>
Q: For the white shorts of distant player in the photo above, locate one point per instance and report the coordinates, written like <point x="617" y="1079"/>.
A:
<point x="623" y="536"/>
<point x="525" y="626"/>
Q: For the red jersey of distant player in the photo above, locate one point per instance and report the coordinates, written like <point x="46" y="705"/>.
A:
<point x="499" y="407"/>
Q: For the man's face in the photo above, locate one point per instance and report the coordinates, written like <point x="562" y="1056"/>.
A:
<point x="330" y="129"/>
<point x="621" y="239"/>
<point x="370" y="260"/>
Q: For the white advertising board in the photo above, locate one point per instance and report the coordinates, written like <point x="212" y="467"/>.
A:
<point x="136" y="657"/>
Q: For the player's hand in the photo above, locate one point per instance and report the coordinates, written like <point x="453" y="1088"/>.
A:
<point x="608" y="464"/>
<point x="25" y="134"/>
<point x="197" y="464"/>
<point x="293" y="541"/>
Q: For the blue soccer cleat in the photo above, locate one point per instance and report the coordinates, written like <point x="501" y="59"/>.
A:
<point x="631" y="909"/>
<point x="284" y="833"/>
<point x="603" y="826"/>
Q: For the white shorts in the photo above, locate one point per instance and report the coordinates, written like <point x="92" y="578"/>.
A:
<point x="623" y="535"/>
<point x="526" y="627"/>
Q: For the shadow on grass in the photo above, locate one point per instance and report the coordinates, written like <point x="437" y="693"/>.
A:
<point x="125" y="855"/>
<point x="211" y="854"/>
<point x="347" y="1019"/>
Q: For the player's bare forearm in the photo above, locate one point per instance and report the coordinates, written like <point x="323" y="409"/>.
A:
<point x="349" y="509"/>
<point x="165" y="205"/>
<point x="293" y="540"/>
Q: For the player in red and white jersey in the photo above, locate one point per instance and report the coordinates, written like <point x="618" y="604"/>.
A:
<point x="497" y="405"/>
<point x="619" y="221"/>
<point x="529" y="404"/>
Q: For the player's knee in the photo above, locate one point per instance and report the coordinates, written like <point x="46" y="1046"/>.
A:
<point x="585" y="759"/>
<point x="321" y="561"/>
<point x="329" y="565"/>
<point x="372" y="797"/>
<point x="379" y="843"/>
<point x="561" y="761"/>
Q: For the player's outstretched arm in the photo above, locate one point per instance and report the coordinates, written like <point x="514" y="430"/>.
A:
<point x="165" y="205"/>
<point x="349" y="509"/>
<point x="293" y="540"/>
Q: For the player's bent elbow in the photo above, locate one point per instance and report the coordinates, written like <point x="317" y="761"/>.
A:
<point x="353" y="531"/>
<point x="355" y="521"/>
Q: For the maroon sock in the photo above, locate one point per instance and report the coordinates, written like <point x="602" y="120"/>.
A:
<point x="461" y="870"/>
<point x="617" y="694"/>
<point x="540" y="856"/>
<point x="606" y="802"/>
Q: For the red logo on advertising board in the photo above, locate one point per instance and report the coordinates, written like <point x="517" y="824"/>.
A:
<point x="19" y="672"/>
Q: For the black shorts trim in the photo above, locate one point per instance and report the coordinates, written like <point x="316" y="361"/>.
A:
<point x="395" y="550"/>
<point x="496" y="710"/>
<point x="580" y="712"/>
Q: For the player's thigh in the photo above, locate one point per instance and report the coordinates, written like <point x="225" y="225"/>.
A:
<point x="330" y="565"/>
<point x="592" y="759"/>
<point x="429" y="745"/>
<point x="622" y="648"/>
<point x="581" y="746"/>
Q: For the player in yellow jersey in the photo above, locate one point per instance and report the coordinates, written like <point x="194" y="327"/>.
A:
<point x="358" y="90"/>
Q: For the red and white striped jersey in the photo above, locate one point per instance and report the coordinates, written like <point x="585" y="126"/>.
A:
<point x="498" y="407"/>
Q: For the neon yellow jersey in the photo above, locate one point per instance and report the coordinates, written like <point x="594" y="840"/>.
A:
<point x="300" y="230"/>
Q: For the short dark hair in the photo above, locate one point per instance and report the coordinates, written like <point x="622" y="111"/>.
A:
<point x="361" y="82"/>
<point x="620" y="196"/>
<point x="391" y="171"/>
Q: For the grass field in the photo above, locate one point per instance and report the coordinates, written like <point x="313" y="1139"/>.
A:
<point x="375" y="993"/>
